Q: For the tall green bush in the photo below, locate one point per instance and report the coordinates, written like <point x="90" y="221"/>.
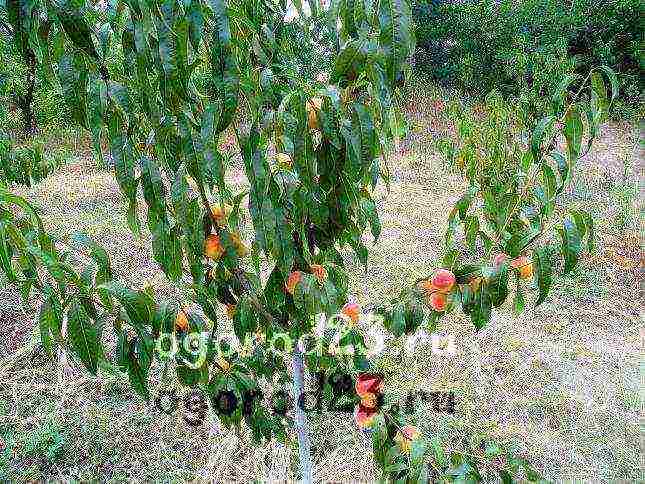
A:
<point x="524" y="48"/>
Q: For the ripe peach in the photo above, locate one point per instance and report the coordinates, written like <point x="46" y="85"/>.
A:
<point x="368" y="383"/>
<point x="220" y="213"/>
<point x="181" y="321"/>
<point x="438" y="301"/>
<point x="352" y="311"/>
<point x="405" y="437"/>
<point x="292" y="281"/>
<point x="369" y="400"/>
<point x="284" y="160"/>
<point x="313" y="106"/>
<point x="213" y="247"/>
<point x="443" y="280"/>
<point x="524" y="267"/>
<point x="319" y="272"/>
<point x="500" y="259"/>
<point x="364" y="417"/>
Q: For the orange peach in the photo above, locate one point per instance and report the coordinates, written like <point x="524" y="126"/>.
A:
<point x="181" y="321"/>
<point x="438" y="301"/>
<point x="352" y="311"/>
<point x="319" y="272"/>
<point x="524" y="266"/>
<point x="443" y="280"/>
<point x="292" y="281"/>
<point x="213" y="247"/>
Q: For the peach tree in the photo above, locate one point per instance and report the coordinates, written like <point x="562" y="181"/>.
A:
<point x="179" y="90"/>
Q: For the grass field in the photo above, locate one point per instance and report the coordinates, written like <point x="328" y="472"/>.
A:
<point x="563" y="382"/>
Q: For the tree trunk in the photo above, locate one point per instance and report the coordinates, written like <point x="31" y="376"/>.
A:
<point x="302" y="427"/>
<point x="25" y="103"/>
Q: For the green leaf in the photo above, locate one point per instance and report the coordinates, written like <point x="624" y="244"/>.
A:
<point x="97" y="252"/>
<point x="584" y="224"/>
<point x="542" y="272"/>
<point x="245" y="320"/>
<point x="137" y="372"/>
<point x="598" y="88"/>
<point x="472" y="230"/>
<point x="139" y="306"/>
<point x="518" y="300"/>
<point x="397" y="39"/>
<point x="543" y="128"/>
<point x="49" y="322"/>
<point x="571" y="245"/>
<point x="559" y="95"/>
<point x="74" y="81"/>
<point x="154" y="190"/>
<point x="573" y="129"/>
<point x="6" y="252"/>
<point x="83" y="336"/>
<point x="613" y="79"/>
<point x="369" y="207"/>
<point x="498" y="286"/>
<point x="223" y="64"/>
<point x="78" y="30"/>
<point x="348" y="64"/>
<point x="480" y="310"/>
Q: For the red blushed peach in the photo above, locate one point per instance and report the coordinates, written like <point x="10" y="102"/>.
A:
<point x="524" y="266"/>
<point x="438" y="301"/>
<point x="405" y="437"/>
<point x="368" y="383"/>
<point x="500" y="259"/>
<point x="292" y="281"/>
<point x="443" y="280"/>
<point x="319" y="272"/>
<point x="364" y="417"/>
<point x="213" y="247"/>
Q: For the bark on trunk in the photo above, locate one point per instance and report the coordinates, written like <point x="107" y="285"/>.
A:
<point x="25" y="103"/>
<point x="302" y="427"/>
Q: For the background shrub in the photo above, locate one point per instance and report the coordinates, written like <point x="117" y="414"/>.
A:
<point x="524" y="48"/>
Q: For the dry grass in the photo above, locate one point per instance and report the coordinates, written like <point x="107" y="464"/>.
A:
<point x="561" y="382"/>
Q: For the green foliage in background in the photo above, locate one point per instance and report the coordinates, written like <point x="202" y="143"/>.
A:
<point x="524" y="48"/>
